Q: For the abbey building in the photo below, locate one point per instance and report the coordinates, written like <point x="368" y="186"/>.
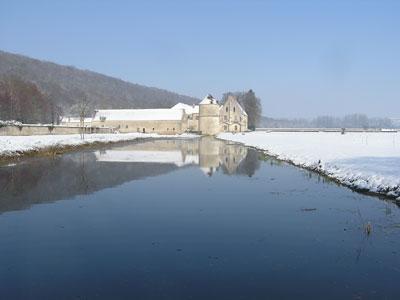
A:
<point x="209" y="117"/>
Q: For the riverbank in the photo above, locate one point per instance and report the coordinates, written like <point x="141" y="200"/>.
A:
<point x="15" y="147"/>
<point x="368" y="162"/>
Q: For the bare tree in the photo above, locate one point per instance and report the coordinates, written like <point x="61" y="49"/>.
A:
<point x="24" y="101"/>
<point x="83" y="106"/>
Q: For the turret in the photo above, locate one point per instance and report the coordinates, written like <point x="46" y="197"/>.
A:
<point x="209" y="116"/>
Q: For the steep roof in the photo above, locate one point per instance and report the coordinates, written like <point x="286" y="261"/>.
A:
<point x="189" y="109"/>
<point x="161" y="114"/>
<point x="231" y="98"/>
<point x="209" y="99"/>
<point x="241" y="108"/>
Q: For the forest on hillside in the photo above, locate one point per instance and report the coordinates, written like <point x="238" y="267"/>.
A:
<point x="60" y="89"/>
<point x="25" y="102"/>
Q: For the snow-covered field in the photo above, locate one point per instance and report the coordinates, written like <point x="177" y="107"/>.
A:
<point x="11" y="146"/>
<point x="365" y="161"/>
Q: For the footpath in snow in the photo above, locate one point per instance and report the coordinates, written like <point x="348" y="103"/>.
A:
<point x="14" y="146"/>
<point x="363" y="161"/>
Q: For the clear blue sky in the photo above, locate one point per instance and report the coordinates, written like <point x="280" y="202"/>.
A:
<point x="302" y="58"/>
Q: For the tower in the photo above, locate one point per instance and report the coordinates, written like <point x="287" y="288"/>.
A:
<point x="209" y="116"/>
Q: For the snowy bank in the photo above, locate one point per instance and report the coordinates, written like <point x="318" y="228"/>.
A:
<point x="363" y="161"/>
<point x="14" y="146"/>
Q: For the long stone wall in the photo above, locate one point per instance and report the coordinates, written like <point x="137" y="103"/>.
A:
<point x="147" y="126"/>
<point x="27" y="129"/>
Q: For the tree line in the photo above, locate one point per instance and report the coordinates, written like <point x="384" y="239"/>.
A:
<point x="348" y="121"/>
<point x="23" y="101"/>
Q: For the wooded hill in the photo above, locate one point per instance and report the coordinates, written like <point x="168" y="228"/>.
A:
<point x="63" y="87"/>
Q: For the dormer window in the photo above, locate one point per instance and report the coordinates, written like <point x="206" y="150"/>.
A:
<point x="102" y="119"/>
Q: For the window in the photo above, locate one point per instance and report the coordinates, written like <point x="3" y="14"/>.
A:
<point x="225" y="127"/>
<point x="138" y="129"/>
<point x="235" y="127"/>
<point x="226" y="109"/>
<point x="240" y="119"/>
<point x="225" y="118"/>
<point x="153" y="128"/>
<point x="234" y="109"/>
<point x="173" y="129"/>
<point x="102" y="119"/>
<point x="126" y="126"/>
<point x="144" y="130"/>
<point x="167" y="129"/>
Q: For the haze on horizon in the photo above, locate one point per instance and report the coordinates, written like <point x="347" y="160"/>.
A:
<point x="302" y="59"/>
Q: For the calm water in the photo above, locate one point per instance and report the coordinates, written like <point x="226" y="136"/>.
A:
<point x="198" y="219"/>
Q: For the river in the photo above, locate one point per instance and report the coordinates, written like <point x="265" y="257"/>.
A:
<point x="189" y="219"/>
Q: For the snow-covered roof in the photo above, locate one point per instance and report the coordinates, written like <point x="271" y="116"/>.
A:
<point x="159" y="114"/>
<point x="189" y="109"/>
<point x="74" y="120"/>
<point x="242" y="109"/>
<point x="209" y="100"/>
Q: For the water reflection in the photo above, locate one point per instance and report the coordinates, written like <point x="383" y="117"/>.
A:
<point x="41" y="180"/>
<point x="186" y="235"/>
<point x="208" y="153"/>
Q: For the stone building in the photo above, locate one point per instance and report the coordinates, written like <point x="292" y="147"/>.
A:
<point x="209" y="117"/>
<point x="232" y="116"/>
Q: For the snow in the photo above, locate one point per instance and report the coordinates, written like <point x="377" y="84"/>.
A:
<point x="11" y="146"/>
<point x="75" y="120"/>
<point x="363" y="161"/>
<point x="159" y="114"/>
<point x="10" y="123"/>
<point x="189" y="109"/>
<point x="209" y="100"/>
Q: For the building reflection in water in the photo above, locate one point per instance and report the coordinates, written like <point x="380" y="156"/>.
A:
<point x="208" y="153"/>
<point x="42" y="179"/>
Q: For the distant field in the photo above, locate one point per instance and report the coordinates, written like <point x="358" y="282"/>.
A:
<point x="325" y="130"/>
<point x="368" y="161"/>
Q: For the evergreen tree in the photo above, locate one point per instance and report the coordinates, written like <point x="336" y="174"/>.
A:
<point x="252" y="105"/>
